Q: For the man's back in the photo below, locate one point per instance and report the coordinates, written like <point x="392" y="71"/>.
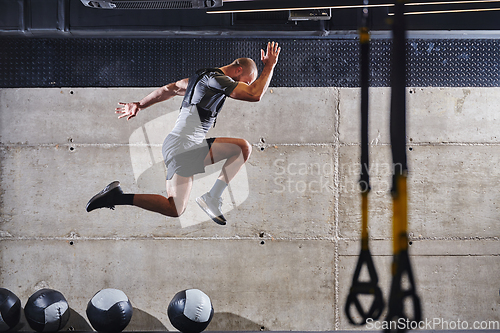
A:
<point x="204" y="97"/>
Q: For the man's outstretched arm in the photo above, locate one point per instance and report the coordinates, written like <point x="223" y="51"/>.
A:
<point x="254" y="92"/>
<point x="164" y="93"/>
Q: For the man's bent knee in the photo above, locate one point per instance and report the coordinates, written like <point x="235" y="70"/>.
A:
<point x="178" y="209"/>
<point x="246" y="149"/>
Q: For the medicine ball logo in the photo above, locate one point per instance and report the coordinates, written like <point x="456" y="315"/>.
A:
<point x="150" y="172"/>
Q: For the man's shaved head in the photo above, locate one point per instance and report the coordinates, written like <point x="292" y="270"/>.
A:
<point x="248" y="65"/>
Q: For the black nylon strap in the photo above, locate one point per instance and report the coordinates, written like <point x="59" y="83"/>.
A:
<point x="401" y="262"/>
<point x="398" y="92"/>
<point x="369" y="287"/>
<point x="364" y="180"/>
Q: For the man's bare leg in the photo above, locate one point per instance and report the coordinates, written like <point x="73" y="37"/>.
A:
<point x="178" y="190"/>
<point x="236" y="152"/>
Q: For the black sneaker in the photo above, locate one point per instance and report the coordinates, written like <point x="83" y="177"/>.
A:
<point x="212" y="206"/>
<point x="105" y="197"/>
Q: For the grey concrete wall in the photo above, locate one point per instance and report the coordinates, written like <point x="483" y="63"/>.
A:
<point x="286" y="257"/>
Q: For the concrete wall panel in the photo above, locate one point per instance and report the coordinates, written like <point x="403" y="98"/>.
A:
<point x="82" y="116"/>
<point x="86" y="116"/>
<point x="452" y="191"/>
<point x="283" y="116"/>
<point x="434" y="115"/>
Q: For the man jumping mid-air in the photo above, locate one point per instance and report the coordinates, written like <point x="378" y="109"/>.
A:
<point x="186" y="151"/>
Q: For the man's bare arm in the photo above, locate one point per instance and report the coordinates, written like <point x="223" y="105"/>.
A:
<point x="255" y="91"/>
<point x="164" y="93"/>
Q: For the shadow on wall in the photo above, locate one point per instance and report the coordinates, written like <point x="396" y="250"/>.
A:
<point x="225" y="321"/>
<point x="76" y="322"/>
<point x="143" y="321"/>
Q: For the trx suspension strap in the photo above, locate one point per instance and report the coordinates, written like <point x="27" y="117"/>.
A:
<point x="401" y="267"/>
<point x="364" y="287"/>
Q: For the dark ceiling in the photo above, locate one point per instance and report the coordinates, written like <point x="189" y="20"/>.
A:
<point x="72" y="18"/>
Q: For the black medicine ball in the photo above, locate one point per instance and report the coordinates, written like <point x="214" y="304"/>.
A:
<point x="109" y="311"/>
<point x="10" y="309"/>
<point x="47" y="311"/>
<point x="190" y="311"/>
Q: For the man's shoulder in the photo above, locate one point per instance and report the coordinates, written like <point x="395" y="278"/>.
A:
<point x="219" y="77"/>
<point x="210" y="72"/>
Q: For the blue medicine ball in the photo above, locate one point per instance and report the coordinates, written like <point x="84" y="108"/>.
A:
<point x="10" y="309"/>
<point x="47" y="311"/>
<point x="109" y="311"/>
<point x="190" y="311"/>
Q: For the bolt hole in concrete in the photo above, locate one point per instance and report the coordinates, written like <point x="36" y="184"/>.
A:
<point x="410" y="243"/>
<point x="262" y="243"/>
<point x="71" y="243"/>
<point x="262" y="328"/>
<point x="71" y="92"/>
<point x="71" y="148"/>
<point x="262" y="148"/>
<point x="410" y="149"/>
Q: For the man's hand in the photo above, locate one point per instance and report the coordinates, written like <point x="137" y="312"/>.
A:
<point x="271" y="55"/>
<point x="255" y="91"/>
<point x="128" y="110"/>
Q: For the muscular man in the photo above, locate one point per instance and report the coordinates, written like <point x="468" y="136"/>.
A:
<point x="186" y="151"/>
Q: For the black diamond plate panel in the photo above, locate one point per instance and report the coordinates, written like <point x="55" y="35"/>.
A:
<point x="453" y="62"/>
<point x="150" y="62"/>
